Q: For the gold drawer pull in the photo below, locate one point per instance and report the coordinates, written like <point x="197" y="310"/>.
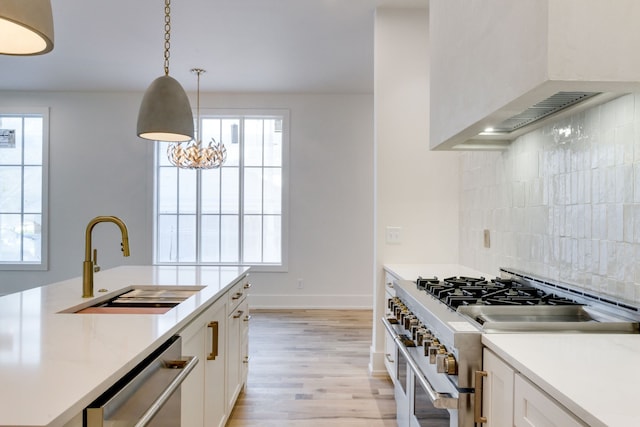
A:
<point x="214" y="340"/>
<point x="238" y="314"/>
<point x="247" y="285"/>
<point x="389" y="359"/>
<point x="247" y="318"/>
<point x="477" y="410"/>
<point x="237" y="295"/>
<point x="246" y="360"/>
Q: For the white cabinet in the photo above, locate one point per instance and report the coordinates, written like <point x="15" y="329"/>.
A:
<point x="534" y="408"/>
<point x="390" y="351"/>
<point x="203" y="392"/>
<point x="217" y="337"/>
<point x="497" y="402"/>
<point x="509" y="399"/>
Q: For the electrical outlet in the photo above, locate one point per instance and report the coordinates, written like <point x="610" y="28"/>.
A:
<point x="393" y="235"/>
<point x="300" y="284"/>
<point x="487" y="239"/>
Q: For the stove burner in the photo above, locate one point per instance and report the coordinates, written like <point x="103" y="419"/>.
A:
<point x="457" y="291"/>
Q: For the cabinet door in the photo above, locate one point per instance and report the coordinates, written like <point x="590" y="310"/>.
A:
<point x="234" y="353"/>
<point x="497" y="395"/>
<point x="534" y="408"/>
<point x="390" y="355"/>
<point x="215" y="327"/>
<point x="244" y="347"/>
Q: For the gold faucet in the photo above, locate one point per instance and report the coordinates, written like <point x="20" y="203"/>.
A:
<point x="89" y="266"/>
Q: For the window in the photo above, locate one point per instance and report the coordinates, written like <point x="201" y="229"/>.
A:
<point x="23" y="189"/>
<point x="234" y="215"/>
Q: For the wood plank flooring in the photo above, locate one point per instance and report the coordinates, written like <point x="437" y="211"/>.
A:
<point x="308" y="368"/>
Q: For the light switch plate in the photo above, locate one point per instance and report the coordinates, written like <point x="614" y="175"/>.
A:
<point x="393" y="235"/>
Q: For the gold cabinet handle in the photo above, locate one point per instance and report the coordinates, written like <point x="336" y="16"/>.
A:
<point x="477" y="410"/>
<point x="214" y="340"/>
<point x="237" y="295"/>
<point x="388" y="356"/>
<point x="238" y="314"/>
<point x="247" y="285"/>
<point x="246" y="360"/>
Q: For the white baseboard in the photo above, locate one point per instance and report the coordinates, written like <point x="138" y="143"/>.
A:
<point x="376" y="363"/>
<point x="353" y="302"/>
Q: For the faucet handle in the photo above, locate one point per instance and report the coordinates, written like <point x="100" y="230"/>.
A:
<point x="96" y="267"/>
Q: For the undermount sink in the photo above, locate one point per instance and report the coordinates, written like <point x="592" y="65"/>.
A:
<point x="546" y="318"/>
<point x="138" y="300"/>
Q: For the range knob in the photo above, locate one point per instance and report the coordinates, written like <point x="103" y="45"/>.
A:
<point x="434" y="351"/>
<point x="428" y="341"/>
<point x="420" y="334"/>
<point x="415" y="328"/>
<point x="446" y="364"/>
<point x="409" y="321"/>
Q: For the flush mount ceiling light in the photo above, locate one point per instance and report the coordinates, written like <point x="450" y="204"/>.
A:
<point x="26" y="27"/>
<point x="192" y="154"/>
<point x="165" y="113"/>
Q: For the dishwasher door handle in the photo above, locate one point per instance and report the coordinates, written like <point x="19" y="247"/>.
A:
<point x="166" y="394"/>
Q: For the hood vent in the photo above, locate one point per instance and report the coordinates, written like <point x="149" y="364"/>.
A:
<point x="542" y="109"/>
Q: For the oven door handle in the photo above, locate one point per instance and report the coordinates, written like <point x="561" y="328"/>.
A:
<point x="439" y="400"/>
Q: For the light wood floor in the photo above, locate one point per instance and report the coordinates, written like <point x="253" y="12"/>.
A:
<point x="308" y="368"/>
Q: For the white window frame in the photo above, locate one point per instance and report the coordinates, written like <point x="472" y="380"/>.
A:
<point x="44" y="252"/>
<point x="245" y="113"/>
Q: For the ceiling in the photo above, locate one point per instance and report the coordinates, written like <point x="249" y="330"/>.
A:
<point x="313" y="46"/>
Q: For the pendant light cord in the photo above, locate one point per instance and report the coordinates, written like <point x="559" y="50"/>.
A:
<point x="167" y="35"/>
<point x="198" y="71"/>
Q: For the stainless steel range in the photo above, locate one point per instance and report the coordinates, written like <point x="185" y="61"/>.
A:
<point x="437" y="325"/>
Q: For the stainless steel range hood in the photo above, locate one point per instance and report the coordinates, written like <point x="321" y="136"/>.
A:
<point x="516" y="66"/>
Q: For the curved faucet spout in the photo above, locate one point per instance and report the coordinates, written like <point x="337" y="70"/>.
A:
<point x="88" y="264"/>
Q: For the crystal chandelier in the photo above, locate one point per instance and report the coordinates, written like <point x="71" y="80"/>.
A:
<point x="193" y="154"/>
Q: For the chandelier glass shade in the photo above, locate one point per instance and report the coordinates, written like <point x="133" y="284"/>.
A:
<point x="193" y="154"/>
<point x="165" y="113"/>
<point x="26" y="27"/>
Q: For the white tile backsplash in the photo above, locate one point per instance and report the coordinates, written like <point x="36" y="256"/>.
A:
<point x="562" y="202"/>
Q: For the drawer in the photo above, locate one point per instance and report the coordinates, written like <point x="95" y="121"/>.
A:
<point x="237" y="294"/>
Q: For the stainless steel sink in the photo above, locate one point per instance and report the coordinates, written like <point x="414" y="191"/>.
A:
<point x="543" y="318"/>
<point x="139" y="300"/>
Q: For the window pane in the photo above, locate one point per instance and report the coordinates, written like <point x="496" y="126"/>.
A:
<point x="253" y="190"/>
<point x="168" y="190"/>
<point x="273" y="142"/>
<point x="10" y="238"/>
<point x="187" y="190"/>
<point x="210" y="197"/>
<point x="272" y="235"/>
<point x="167" y="243"/>
<point x="10" y="188"/>
<point x="187" y="238"/>
<point x="272" y="191"/>
<point x="33" y="140"/>
<point x="32" y="238"/>
<point x="163" y="159"/>
<point x="13" y="155"/>
<point x="230" y="137"/>
<point x="253" y="142"/>
<point x="33" y="189"/>
<point x="252" y="244"/>
<point x="210" y="238"/>
<point x="230" y="191"/>
<point x="229" y="240"/>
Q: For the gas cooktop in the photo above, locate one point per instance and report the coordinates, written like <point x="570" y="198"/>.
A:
<point x="462" y="291"/>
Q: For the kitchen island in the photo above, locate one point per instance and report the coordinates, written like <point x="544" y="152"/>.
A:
<point x="54" y="364"/>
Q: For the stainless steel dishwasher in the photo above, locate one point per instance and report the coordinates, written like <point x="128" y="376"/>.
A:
<point x="149" y="395"/>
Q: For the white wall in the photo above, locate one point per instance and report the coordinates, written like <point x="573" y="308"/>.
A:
<point x="416" y="189"/>
<point x="99" y="167"/>
<point x="563" y="202"/>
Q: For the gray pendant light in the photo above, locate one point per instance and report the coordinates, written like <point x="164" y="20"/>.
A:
<point x="26" y="27"/>
<point x="165" y="113"/>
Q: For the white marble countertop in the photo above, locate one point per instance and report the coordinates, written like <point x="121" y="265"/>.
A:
<point x="412" y="271"/>
<point x="54" y="364"/>
<point x="595" y="376"/>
